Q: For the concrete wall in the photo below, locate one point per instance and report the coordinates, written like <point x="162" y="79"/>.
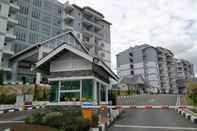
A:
<point x="69" y="62"/>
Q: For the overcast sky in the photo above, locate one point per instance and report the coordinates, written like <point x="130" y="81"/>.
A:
<point x="167" y="23"/>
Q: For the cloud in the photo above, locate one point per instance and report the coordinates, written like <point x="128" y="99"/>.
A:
<point x="168" y="23"/>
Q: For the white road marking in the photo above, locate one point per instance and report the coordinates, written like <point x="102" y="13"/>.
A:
<point x="6" y="122"/>
<point x="156" y="127"/>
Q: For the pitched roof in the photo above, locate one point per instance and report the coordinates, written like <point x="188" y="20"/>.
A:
<point x="85" y="55"/>
<point x="38" y="44"/>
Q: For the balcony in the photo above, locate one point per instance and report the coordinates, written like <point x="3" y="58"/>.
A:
<point x="4" y="67"/>
<point x="68" y="17"/>
<point x="7" y="50"/>
<point x="67" y="27"/>
<point x="12" y="19"/>
<point x="88" y="22"/>
<point x="68" y="7"/>
<point x="13" y="5"/>
<point x="10" y="34"/>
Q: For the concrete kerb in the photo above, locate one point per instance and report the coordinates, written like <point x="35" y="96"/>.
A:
<point x="20" y="109"/>
<point x="189" y="115"/>
<point x="115" y="113"/>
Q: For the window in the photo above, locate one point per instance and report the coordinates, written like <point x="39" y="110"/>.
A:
<point x="131" y="66"/>
<point x="45" y="29"/>
<point x="46" y="17"/>
<point x="37" y="3"/>
<point x="22" y="21"/>
<point x="20" y="35"/>
<point x="0" y="7"/>
<point x="87" y="89"/>
<point x="70" y="85"/>
<point x="33" y="38"/>
<point x="59" y="10"/>
<point x="131" y="60"/>
<point x="132" y="73"/>
<point x="35" y="14"/>
<point x="54" y="91"/>
<point x="24" y="10"/>
<point x="34" y="25"/>
<point x="131" y="54"/>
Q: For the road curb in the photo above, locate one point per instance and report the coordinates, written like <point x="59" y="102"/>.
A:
<point x="20" y="109"/>
<point x="187" y="115"/>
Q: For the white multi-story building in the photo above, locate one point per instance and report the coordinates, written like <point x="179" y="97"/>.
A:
<point x="155" y="64"/>
<point x="184" y="72"/>
<point x="8" y="10"/>
<point x="91" y="28"/>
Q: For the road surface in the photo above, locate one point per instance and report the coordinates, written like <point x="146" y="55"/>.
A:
<point x="153" y="119"/>
<point x="10" y="120"/>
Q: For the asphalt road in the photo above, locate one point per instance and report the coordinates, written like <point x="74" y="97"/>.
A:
<point x="9" y="120"/>
<point x="152" y="119"/>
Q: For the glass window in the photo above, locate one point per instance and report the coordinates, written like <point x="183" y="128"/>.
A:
<point x="22" y="21"/>
<point x="87" y="89"/>
<point x="34" y="25"/>
<point x="24" y="10"/>
<point x="70" y="96"/>
<point x="35" y="14"/>
<point x="70" y="85"/>
<point x="54" y="91"/>
<point x="103" y="93"/>
<point x="37" y="3"/>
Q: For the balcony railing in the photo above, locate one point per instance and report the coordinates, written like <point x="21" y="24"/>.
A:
<point x="13" y="4"/>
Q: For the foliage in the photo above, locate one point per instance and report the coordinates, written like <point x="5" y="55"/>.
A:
<point x="68" y="119"/>
<point x="41" y="93"/>
<point x="6" y="97"/>
<point x="192" y="91"/>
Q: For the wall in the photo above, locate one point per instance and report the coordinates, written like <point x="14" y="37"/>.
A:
<point x="69" y="62"/>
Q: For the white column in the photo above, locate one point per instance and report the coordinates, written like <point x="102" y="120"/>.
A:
<point x="14" y="72"/>
<point x="80" y="89"/>
<point x="40" y="55"/>
<point x="59" y="92"/>
<point x="94" y="91"/>
<point x="106" y="94"/>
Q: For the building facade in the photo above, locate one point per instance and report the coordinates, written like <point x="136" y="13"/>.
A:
<point x="8" y="20"/>
<point x="155" y="64"/>
<point x="39" y="20"/>
<point x="184" y="72"/>
<point x="91" y="28"/>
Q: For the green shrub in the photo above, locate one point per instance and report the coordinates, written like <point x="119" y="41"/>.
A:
<point x="7" y="98"/>
<point x="68" y="119"/>
<point x="53" y="119"/>
<point x="29" y="120"/>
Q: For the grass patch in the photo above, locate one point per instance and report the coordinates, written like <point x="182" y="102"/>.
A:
<point x="189" y="101"/>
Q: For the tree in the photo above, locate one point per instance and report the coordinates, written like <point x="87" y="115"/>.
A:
<point x="192" y="90"/>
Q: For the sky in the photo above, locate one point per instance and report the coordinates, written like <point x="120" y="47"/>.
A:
<point x="168" y="23"/>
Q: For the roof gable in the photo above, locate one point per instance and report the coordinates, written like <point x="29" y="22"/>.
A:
<point x="61" y="48"/>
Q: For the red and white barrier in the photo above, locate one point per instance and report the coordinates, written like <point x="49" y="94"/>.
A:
<point x="140" y="107"/>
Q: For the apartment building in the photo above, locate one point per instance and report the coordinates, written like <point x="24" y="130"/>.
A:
<point x="38" y="20"/>
<point x="8" y="12"/>
<point x="184" y="72"/>
<point x="33" y="21"/>
<point x="155" y="64"/>
<point x="91" y="28"/>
